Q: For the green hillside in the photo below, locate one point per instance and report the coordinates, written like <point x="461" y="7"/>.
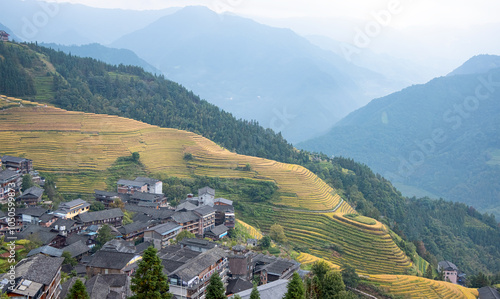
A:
<point x="85" y="84"/>
<point x="440" y="137"/>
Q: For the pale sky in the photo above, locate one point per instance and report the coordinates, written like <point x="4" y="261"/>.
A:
<point x="442" y="33"/>
<point x="416" y="12"/>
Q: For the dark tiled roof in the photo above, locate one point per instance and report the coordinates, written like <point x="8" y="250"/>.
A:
<point x="204" y="210"/>
<point x="146" y="196"/>
<point x="111" y="259"/>
<point x="166" y="228"/>
<point x="141" y="247"/>
<point x="33" y="211"/>
<point x="100" y="215"/>
<point x="47" y="217"/>
<point x="183" y="217"/>
<point x="224" y="201"/>
<point x="130" y="183"/>
<point x="67" y="223"/>
<point x="73" y="203"/>
<point x="35" y="191"/>
<point x="148" y="181"/>
<point x="225" y="209"/>
<point x="154" y="213"/>
<point x="188" y="206"/>
<point x="141" y="217"/>
<point x="272" y="290"/>
<point x="205" y="190"/>
<point x="177" y="254"/>
<point x="77" y="248"/>
<point x="201" y="262"/>
<point x="39" y="268"/>
<point x="488" y="293"/>
<point x="101" y="193"/>
<point x="7" y="158"/>
<point x="65" y="287"/>
<point x="8" y="174"/>
<point x="219" y="229"/>
<point x="44" y="234"/>
<point x="198" y="243"/>
<point x="119" y="245"/>
<point x="97" y="288"/>
<point x="238" y="285"/>
<point x="133" y="227"/>
<point x="76" y="238"/>
<point x="47" y="250"/>
<point x="446" y="265"/>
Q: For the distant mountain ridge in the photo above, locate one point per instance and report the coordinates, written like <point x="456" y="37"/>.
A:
<point x="255" y="71"/>
<point x="440" y="137"/>
<point x="478" y="64"/>
<point x="105" y="54"/>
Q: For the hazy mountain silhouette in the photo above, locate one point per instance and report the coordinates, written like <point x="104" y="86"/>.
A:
<point x="438" y="138"/>
<point x="255" y="71"/>
<point x="105" y="54"/>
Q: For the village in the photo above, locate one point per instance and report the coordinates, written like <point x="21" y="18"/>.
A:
<point x="188" y="238"/>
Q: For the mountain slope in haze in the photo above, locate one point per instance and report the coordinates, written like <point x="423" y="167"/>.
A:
<point x="255" y="71"/>
<point x="402" y="72"/>
<point x="72" y="24"/>
<point x="105" y="54"/>
<point x="477" y="65"/>
<point x="440" y="137"/>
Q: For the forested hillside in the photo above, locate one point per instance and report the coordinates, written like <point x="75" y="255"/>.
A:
<point x="443" y="229"/>
<point x="85" y="84"/>
<point x="438" y="138"/>
<point x="440" y="230"/>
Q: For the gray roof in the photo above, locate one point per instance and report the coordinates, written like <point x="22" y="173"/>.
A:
<point x="111" y="259"/>
<point x="44" y="234"/>
<point x="183" y="217"/>
<point x="238" y="285"/>
<point x="148" y="181"/>
<point x="141" y="247"/>
<point x="130" y="183"/>
<point x="73" y="203"/>
<point x="446" y="265"/>
<point x="146" y="196"/>
<point x="47" y="217"/>
<point x="204" y="210"/>
<point x="205" y="190"/>
<point x="7" y="158"/>
<point x="195" y="266"/>
<point x="225" y="209"/>
<point x="66" y="286"/>
<point x="97" y="288"/>
<point x="166" y="228"/>
<point x="272" y="290"/>
<point x="186" y="205"/>
<point x="223" y="200"/>
<point x="77" y="248"/>
<point x="219" y="229"/>
<point x="106" y="193"/>
<point x="488" y="293"/>
<point x="100" y="215"/>
<point x="35" y="191"/>
<point x="39" y="268"/>
<point x="177" y="253"/>
<point x="119" y="245"/>
<point x="73" y="238"/>
<point x="67" y="223"/>
<point x="133" y="227"/>
<point x="47" y="250"/>
<point x="33" y="211"/>
<point x="154" y="213"/>
<point x="194" y="242"/>
<point x="8" y="175"/>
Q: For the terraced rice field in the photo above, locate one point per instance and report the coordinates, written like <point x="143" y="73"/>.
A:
<point x="251" y="230"/>
<point x="418" y="287"/>
<point x="308" y="259"/>
<point x="368" y="248"/>
<point x="79" y="147"/>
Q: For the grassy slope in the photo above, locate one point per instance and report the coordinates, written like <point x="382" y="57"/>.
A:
<point x="78" y="148"/>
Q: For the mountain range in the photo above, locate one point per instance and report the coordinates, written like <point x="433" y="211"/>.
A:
<point x="438" y="139"/>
